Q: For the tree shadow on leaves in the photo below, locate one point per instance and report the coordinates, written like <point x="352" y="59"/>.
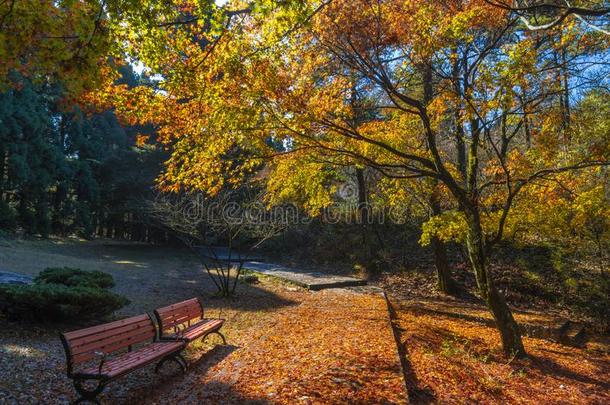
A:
<point x="528" y="329"/>
<point x="416" y="393"/>
<point x="548" y="366"/>
<point x="173" y="386"/>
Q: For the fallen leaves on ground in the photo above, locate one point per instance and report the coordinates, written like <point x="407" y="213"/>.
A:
<point x="336" y="347"/>
<point x="454" y="355"/>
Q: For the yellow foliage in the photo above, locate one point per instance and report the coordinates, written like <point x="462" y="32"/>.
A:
<point x="450" y="226"/>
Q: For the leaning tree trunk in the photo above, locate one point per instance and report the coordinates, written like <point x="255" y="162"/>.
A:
<point x="508" y="328"/>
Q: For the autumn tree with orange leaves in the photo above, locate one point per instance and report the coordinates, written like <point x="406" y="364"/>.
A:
<point x="465" y="104"/>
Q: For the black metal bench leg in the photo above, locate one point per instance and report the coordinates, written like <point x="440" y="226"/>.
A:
<point x="88" y="395"/>
<point x="224" y="341"/>
<point x="180" y="359"/>
<point x="177" y="358"/>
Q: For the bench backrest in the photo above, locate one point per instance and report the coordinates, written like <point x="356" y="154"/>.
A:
<point x="81" y="345"/>
<point x="174" y="315"/>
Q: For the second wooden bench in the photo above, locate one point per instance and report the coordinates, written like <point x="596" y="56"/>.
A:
<point x="185" y="321"/>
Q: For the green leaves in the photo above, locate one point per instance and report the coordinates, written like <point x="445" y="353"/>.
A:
<point x="72" y="277"/>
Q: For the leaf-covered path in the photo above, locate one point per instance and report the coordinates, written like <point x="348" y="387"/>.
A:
<point x="337" y="346"/>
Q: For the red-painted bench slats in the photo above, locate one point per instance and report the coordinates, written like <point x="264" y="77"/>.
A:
<point x="84" y="344"/>
<point x="130" y="361"/>
<point x="112" y="344"/>
<point x="141" y="320"/>
<point x="200" y="329"/>
<point x="185" y="321"/>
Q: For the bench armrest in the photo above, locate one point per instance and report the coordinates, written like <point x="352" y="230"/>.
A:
<point x="102" y="361"/>
<point x="179" y="332"/>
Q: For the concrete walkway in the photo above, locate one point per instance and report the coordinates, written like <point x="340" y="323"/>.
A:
<point x="311" y="280"/>
<point x="7" y="277"/>
<point x="308" y="279"/>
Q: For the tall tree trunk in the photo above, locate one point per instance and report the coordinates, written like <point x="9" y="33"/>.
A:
<point x="363" y="218"/>
<point x="363" y="209"/>
<point x="565" y="77"/>
<point x="477" y="255"/>
<point x="59" y="196"/>
<point x="475" y="244"/>
<point x="562" y="78"/>
<point x="528" y="131"/>
<point x="460" y="145"/>
<point x="508" y="328"/>
<point x="526" y="121"/>
<point x="445" y="283"/>
<point x="3" y="159"/>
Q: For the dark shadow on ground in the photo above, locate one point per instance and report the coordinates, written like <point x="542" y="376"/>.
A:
<point x="170" y="385"/>
<point x="256" y="300"/>
<point x="549" y="366"/>
<point x="548" y="332"/>
<point x="416" y="394"/>
<point x="189" y="389"/>
<point x="435" y="337"/>
<point x="170" y="377"/>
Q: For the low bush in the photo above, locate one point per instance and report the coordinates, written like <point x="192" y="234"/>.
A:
<point x="60" y="294"/>
<point x="72" y="277"/>
<point x="57" y="302"/>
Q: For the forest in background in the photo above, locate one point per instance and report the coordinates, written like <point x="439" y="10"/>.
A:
<point x="65" y="171"/>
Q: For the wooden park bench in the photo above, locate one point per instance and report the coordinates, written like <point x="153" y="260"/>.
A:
<point x="184" y="321"/>
<point x="100" y="354"/>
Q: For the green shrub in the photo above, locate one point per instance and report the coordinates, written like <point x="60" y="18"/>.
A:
<point x="57" y="302"/>
<point x="72" y="277"/>
<point x="62" y="294"/>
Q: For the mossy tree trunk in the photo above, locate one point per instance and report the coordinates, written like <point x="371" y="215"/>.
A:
<point x="445" y="283"/>
<point x="506" y="324"/>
